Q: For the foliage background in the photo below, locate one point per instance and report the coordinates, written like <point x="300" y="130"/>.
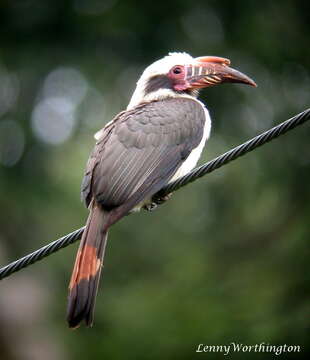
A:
<point x="227" y="258"/>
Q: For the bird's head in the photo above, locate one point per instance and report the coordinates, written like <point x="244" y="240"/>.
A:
<point x="180" y="74"/>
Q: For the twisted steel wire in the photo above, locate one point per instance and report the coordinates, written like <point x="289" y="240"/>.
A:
<point x="41" y="253"/>
<point x="192" y="176"/>
<point x="234" y="153"/>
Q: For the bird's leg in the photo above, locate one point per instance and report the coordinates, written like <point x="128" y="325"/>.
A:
<point x="155" y="201"/>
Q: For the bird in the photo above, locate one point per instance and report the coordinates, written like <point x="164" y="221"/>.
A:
<point x="156" y="140"/>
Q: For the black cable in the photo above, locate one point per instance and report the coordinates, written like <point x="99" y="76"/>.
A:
<point x="41" y="253"/>
<point x="236" y="152"/>
<point x="192" y="176"/>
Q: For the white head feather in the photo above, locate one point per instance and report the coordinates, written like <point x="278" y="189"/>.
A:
<point x="159" y="67"/>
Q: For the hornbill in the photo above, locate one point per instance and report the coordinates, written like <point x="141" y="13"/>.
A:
<point x="157" y="139"/>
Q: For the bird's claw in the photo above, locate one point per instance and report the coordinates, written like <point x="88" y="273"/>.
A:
<point x="156" y="201"/>
<point x="150" y="207"/>
<point x="163" y="199"/>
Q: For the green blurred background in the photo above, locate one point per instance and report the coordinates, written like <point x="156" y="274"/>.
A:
<point x="227" y="258"/>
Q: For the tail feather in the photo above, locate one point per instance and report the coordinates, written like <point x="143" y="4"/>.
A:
<point x="87" y="269"/>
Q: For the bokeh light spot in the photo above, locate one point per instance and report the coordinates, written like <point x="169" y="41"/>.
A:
<point x="53" y="120"/>
<point x="204" y="27"/>
<point x="9" y="90"/>
<point x="12" y="142"/>
<point x="66" y="82"/>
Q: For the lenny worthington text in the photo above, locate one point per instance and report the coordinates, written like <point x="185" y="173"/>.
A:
<point x="239" y="347"/>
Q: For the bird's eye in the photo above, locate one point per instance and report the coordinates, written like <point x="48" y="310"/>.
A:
<point x="177" y="70"/>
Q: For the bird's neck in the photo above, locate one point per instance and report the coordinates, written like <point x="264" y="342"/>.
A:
<point x="140" y="96"/>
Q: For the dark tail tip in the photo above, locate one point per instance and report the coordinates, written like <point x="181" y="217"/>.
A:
<point x="86" y="272"/>
<point x="81" y="302"/>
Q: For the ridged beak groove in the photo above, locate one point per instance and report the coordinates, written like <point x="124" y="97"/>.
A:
<point x="212" y="70"/>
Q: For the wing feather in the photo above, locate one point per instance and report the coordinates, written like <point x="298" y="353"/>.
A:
<point x="141" y="150"/>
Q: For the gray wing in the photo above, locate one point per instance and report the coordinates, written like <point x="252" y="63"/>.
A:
<point x="141" y="150"/>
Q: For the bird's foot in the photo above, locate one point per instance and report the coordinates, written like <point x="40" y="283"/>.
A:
<point x="162" y="199"/>
<point x="156" y="201"/>
<point x="150" y="206"/>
